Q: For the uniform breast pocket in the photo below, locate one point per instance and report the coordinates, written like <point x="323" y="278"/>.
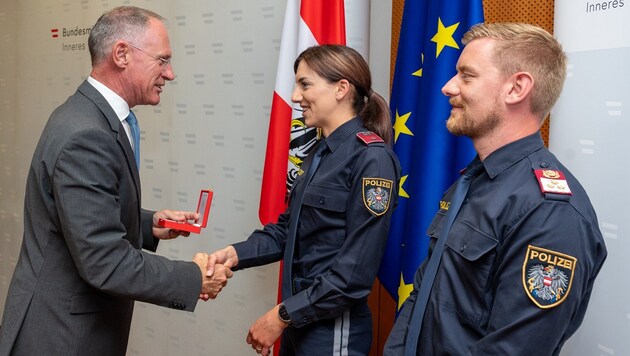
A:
<point x="436" y="224"/>
<point x="329" y="198"/>
<point x="469" y="256"/>
<point x="322" y="225"/>
<point x="471" y="243"/>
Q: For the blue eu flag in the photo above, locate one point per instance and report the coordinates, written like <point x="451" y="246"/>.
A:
<point x="431" y="157"/>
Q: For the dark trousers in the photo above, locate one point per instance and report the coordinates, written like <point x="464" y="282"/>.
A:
<point x="349" y="334"/>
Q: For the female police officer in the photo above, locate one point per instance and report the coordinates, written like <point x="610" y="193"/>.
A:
<point x="333" y="234"/>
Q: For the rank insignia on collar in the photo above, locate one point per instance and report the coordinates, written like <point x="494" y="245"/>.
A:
<point x="369" y="137"/>
<point x="547" y="276"/>
<point x="376" y="194"/>
<point x="552" y="181"/>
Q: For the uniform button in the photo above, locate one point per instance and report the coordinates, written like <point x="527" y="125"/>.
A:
<point x="544" y="165"/>
<point x="462" y="248"/>
<point x="322" y="201"/>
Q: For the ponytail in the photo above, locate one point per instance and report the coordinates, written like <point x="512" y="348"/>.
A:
<point x="375" y="115"/>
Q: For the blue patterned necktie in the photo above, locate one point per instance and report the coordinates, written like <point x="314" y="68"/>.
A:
<point x="417" y="316"/>
<point x="287" y="279"/>
<point x="135" y="135"/>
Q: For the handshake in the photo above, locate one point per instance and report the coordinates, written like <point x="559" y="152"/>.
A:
<point x="216" y="270"/>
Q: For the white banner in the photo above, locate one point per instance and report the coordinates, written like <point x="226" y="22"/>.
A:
<point x="589" y="132"/>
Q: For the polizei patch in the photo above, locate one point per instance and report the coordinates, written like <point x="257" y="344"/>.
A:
<point x="376" y="195"/>
<point x="547" y="276"/>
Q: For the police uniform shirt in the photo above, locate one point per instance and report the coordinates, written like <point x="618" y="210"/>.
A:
<point x="342" y="233"/>
<point x="519" y="265"/>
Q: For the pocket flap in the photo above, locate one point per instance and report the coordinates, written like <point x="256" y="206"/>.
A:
<point x="469" y="242"/>
<point x="328" y="198"/>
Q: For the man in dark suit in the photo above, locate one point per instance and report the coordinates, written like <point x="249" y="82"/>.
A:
<point x="81" y="265"/>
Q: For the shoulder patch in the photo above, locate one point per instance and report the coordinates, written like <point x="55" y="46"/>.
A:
<point x="547" y="276"/>
<point x="369" y="137"/>
<point x="376" y="194"/>
<point x="552" y="181"/>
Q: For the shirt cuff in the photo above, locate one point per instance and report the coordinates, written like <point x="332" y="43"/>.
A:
<point x="299" y="309"/>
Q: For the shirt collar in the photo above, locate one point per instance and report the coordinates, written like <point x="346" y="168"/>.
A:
<point x="120" y="106"/>
<point x="337" y="137"/>
<point x="506" y="156"/>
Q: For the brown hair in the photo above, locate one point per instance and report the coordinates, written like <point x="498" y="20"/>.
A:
<point x="523" y="47"/>
<point x="336" y="62"/>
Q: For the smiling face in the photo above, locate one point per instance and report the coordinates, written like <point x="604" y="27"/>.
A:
<point x="147" y="74"/>
<point x="475" y="92"/>
<point x="315" y="95"/>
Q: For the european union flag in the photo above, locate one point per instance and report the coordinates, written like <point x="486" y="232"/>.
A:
<point x="431" y="157"/>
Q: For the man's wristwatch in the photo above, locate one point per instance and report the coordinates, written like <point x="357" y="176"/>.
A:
<point x="283" y="314"/>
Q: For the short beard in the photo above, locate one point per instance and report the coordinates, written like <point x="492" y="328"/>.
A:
<point x="465" y="126"/>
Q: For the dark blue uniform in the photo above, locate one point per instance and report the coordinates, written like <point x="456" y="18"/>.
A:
<point x="519" y="265"/>
<point x="341" y="237"/>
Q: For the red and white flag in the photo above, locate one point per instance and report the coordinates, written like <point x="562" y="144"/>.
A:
<point x="306" y="23"/>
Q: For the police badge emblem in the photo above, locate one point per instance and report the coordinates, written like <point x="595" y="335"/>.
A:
<point x="376" y="195"/>
<point x="547" y="276"/>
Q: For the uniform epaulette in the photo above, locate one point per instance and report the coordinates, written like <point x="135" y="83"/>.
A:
<point x="369" y="137"/>
<point x="552" y="182"/>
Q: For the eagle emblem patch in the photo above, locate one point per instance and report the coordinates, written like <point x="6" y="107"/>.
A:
<point x="547" y="276"/>
<point x="376" y="195"/>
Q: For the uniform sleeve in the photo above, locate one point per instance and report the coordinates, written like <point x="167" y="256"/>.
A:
<point x="87" y="196"/>
<point x="354" y="269"/>
<point x="263" y="246"/>
<point x="526" y="317"/>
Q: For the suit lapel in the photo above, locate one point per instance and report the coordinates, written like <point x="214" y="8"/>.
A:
<point x="121" y="136"/>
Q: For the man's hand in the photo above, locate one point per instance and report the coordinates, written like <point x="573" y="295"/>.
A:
<point x="265" y="331"/>
<point x="164" y="233"/>
<point x="211" y="285"/>
<point x="226" y="256"/>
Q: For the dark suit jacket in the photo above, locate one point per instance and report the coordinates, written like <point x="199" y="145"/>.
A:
<point x="81" y="265"/>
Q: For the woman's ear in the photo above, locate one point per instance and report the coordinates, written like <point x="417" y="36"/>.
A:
<point x="343" y="87"/>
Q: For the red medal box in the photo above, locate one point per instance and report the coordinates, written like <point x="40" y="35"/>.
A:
<point x="203" y="209"/>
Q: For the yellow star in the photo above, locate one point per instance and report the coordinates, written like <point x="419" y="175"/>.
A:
<point x="404" y="290"/>
<point x="444" y="37"/>
<point x="418" y="73"/>
<point x="401" y="191"/>
<point x="401" y="125"/>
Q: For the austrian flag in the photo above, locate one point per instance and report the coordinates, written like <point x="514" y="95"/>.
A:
<point x="306" y="23"/>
